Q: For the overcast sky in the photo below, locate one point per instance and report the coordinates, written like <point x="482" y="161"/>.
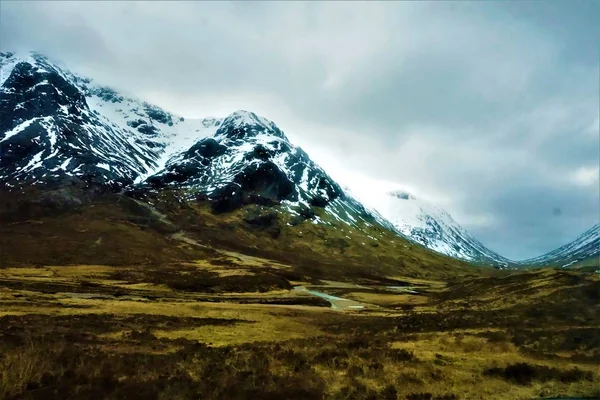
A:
<point x="489" y="110"/>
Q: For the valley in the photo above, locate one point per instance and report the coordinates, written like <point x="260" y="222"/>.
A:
<point x="148" y="256"/>
<point x="137" y="332"/>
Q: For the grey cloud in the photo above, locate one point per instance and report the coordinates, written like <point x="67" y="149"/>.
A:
<point x="484" y="106"/>
<point x="534" y="207"/>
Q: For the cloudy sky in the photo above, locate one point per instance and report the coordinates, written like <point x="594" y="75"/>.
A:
<point x="489" y="110"/>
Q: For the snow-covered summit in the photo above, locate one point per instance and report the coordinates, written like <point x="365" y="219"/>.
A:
<point x="243" y="124"/>
<point x="249" y="160"/>
<point x="55" y="125"/>
<point x="430" y="226"/>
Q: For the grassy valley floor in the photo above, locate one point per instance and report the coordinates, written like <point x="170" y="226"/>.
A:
<point x="234" y="327"/>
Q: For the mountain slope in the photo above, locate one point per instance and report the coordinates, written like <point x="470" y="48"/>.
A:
<point x="432" y="227"/>
<point x="249" y="160"/>
<point x="59" y="127"/>
<point x="585" y="248"/>
<point x="90" y="176"/>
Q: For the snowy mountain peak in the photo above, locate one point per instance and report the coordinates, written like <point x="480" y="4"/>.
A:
<point x="9" y="60"/>
<point x="57" y="125"/>
<point x="241" y="159"/>
<point x="243" y="124"/>
<point x="243" y="117"/>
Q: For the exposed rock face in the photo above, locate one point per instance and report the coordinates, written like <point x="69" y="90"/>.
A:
<point x="49" y="134"/>
<point x="30" y="92"/>
<point x="249" y="160"/>
<point x="263" y="218"/>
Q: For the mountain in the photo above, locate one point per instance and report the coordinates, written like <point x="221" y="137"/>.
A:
<point x="249" y="160"/>
<point x="432" y="227"/>
<point x="88" y="175"/>
<point x="57" y="126"/>
<point x="66" y="141"/>
<point x="585" y="249"/>
<point x="435" y="229"/>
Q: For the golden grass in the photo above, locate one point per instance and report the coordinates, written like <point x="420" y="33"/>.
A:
<point x="251" y="261"/>
<point x="444" y="362"/>
<point x="20" y="368"/>
<point x="460" y="358"/>
<point x="385" y="299"/>
<point x="431" y="283"/>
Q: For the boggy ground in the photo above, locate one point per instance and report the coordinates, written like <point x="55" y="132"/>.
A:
<point x="232" y="327"/>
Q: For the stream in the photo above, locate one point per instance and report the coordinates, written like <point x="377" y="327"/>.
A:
<point x="337" y="303"/>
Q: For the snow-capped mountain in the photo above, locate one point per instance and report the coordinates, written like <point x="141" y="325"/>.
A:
<point x="58" y="126"/>
<point x="431" y="226"/>
<point x="55" y="125"/>
<point x="249" y="160"/>
<point x="586" y="247"/>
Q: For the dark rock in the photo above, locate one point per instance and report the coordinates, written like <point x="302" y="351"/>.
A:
<point x="267" y="180"/>
<point x="260" y="152"/>
<point x="158" y="114"/>
<point x="28" y="93"/>
<point x="208" y="148"/>
<point x="263" y="219"/>
<point x="179" y="173"/>
<point x="254" y="198"/>
<point x="148" y="130"/>
<point x="227" y="199"/>
<point x="319" y="201"/>
<point x="108" y="94"/>
<point x="136" y="122"/>
<point x="260" y="217"/>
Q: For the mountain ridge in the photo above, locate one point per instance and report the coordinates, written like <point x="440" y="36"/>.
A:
<point x="432" y="227"/>
<point x="61" y="127"/>
<point x="584" y="248"/>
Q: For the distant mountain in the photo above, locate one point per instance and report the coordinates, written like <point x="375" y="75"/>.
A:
<point x="432" y="227"/>
<point x="585" y="248"/>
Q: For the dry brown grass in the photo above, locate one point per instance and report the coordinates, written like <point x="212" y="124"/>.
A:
<point x="146" y="340"/>
<point x="388" y="299"/>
